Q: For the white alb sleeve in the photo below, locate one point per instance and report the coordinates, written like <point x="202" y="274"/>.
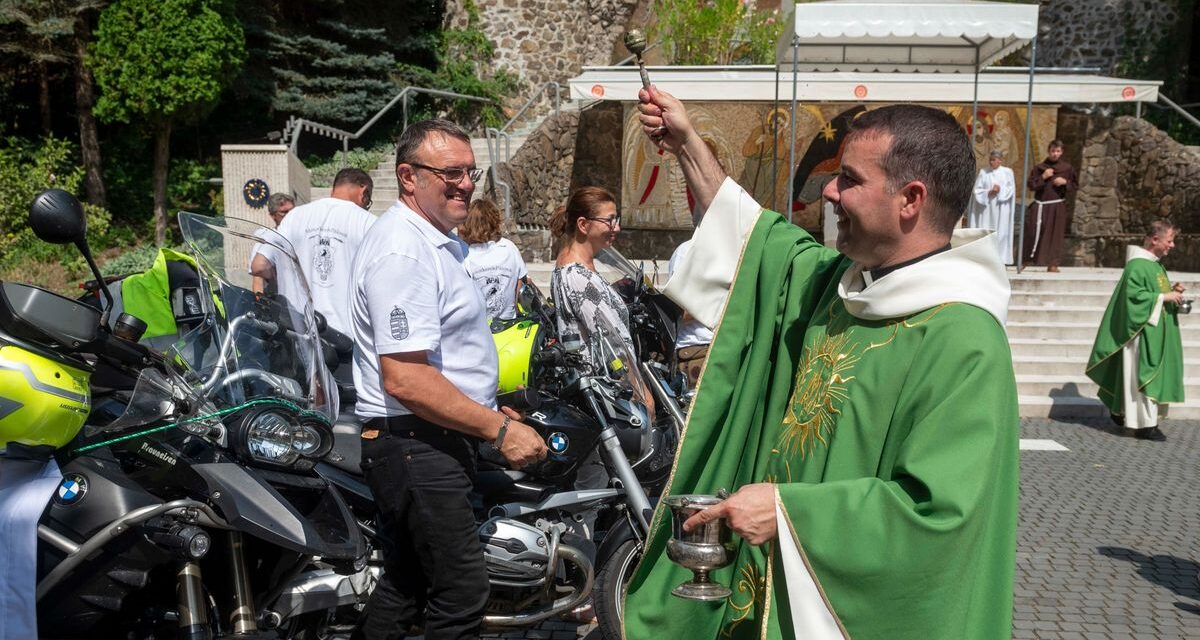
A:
<point x="702" y="281"/>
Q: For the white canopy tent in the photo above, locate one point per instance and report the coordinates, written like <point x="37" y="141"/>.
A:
<point x="923" y="37"/>
<point x="929" y="36"/>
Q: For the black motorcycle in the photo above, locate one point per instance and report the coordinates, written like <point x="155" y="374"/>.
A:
<point x="189" y="507"/>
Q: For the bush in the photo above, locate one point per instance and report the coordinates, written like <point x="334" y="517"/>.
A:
<point x="26" y="168"/>
<point x="323" y="171"/>
<point x="188" y="188"/>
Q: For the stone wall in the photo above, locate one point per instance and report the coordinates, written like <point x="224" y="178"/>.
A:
<point x="544" y="171"/>
<point x="1091" y="33"/>
<point x="1131" y="173"/>
<point x="549" y="40"/>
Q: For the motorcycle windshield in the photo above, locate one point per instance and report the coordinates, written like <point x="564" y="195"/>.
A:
<point x="258" y="338"/>
<point x="611" y="352"/>
<point x="622" y="267"/>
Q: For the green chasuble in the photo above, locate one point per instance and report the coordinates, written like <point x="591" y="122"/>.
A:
<point x="1131" y="316"/>
<point x="892" y="441"/>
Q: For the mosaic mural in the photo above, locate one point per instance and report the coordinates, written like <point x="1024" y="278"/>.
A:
<point x="751" y="141"/>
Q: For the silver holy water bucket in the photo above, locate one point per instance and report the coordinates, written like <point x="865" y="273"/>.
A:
<point x="704" y="549"/>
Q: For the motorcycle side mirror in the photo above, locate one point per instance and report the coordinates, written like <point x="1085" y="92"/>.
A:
<point x="57" y="217"/>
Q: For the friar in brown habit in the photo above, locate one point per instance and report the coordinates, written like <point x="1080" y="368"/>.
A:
<point x="1046" y="219"/>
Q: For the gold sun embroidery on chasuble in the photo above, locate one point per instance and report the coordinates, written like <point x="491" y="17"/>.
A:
<point x="823" y="378"/>
<point x="1164" y="285"/>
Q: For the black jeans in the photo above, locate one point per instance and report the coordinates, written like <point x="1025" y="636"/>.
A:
<point x="421" y="477"/>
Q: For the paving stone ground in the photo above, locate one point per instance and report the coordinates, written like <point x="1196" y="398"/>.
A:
<point x="1108" y="545"/>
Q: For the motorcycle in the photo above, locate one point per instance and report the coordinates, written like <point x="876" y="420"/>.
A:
<point x="653" y="325"/>
<point x="188" y="505"/>
<point x="543" y="555"/>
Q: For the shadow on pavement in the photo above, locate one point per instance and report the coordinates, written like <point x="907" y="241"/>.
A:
<point x="1189" y="607"/>
<point x="1177" y="574"/>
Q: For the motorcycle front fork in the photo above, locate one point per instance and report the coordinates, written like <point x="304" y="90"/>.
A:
<point x="193" y="611"/>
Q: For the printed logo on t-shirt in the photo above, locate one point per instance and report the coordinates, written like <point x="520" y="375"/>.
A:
<point x="323" y="260"/>
<point x="493" y="295"/>
<point x="399" y="323"/>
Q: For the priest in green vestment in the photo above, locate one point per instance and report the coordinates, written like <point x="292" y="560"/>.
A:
<point x="860" y="403"/>
<point x="1137" y="359"/>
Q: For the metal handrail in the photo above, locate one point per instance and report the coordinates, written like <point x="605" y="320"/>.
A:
<point x="1186" y="116"/>
<point x="296" y="126"/>
<point x="532" y="99"/>
<point x="493" y="136"/>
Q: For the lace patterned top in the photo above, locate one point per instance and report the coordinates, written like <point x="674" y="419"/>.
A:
<point x="580" y="295"/>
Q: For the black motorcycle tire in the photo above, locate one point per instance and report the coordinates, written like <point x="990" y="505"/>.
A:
<point x="610" y="587"/>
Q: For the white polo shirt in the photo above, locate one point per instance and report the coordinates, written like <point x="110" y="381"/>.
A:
<point x="412" y="293"/>
<point x="326" y="235"/>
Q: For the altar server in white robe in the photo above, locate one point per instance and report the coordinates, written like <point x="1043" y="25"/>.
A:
<point x="995" y="189"/>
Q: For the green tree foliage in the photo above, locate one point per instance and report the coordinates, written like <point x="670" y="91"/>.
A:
<point x="465" y="63"/>
<point x="40" y="37"/>
<point x="1148" y="56"/>
<point x="28" y="167"/>
<point x="716" y="32"/>
<point x="159" y="61"/>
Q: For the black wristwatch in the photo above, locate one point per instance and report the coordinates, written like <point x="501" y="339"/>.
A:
<point x="499" y="441"/>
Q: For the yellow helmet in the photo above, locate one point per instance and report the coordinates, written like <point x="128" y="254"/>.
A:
<point x="516" y="343"/>
<point x="43" y="402"/>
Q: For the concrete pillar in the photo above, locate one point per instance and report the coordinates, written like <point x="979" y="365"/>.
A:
<point x="273" y="164"/>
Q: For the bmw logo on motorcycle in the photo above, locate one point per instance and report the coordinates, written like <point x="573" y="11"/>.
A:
<point x="71" y="490"/>
<point x="558" y="442"/>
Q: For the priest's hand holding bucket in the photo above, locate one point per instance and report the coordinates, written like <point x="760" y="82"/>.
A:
<point x="750" y="513"/>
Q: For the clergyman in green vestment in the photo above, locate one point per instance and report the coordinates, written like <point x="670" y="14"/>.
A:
<point x="1137" y="359"/>
<point x="860" y="402"/>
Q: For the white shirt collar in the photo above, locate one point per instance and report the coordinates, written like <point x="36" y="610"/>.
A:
<point x="1134" y="252"/>
<point x="970" y="272"/>
<point x="426" y="228"/>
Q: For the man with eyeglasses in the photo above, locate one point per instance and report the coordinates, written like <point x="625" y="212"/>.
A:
<point x="325" y="235"/>
<point x="426" y="371"/>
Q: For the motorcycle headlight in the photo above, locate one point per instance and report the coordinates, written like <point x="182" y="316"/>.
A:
<point x="282" y="438"/>
<point x="269" y="437"/>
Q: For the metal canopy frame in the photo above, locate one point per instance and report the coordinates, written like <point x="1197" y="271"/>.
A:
<point x="976" y="68"/>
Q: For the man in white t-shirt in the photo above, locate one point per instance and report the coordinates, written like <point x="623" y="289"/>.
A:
<point x="691" y="343"/>
<point x="325" y="235"/>
<point x="426" y="371"/>
<point x="261" y="259"/>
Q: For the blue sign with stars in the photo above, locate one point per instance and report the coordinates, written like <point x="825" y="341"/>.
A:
<point x="72" y="489"/>
<point x="557" y="442"/>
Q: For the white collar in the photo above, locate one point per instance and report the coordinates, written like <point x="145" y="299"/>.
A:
<point x="970" y="272"/>
<point x="426" y="229"/>
<point x="1135" y="252"/>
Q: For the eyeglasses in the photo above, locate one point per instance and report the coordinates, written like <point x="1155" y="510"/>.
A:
<point x="612" y="222"/>
<point x="451" y="175"/>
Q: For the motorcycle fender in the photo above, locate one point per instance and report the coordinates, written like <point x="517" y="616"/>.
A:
<point x="617" y="534"/>
<point x="251" y="505"/>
